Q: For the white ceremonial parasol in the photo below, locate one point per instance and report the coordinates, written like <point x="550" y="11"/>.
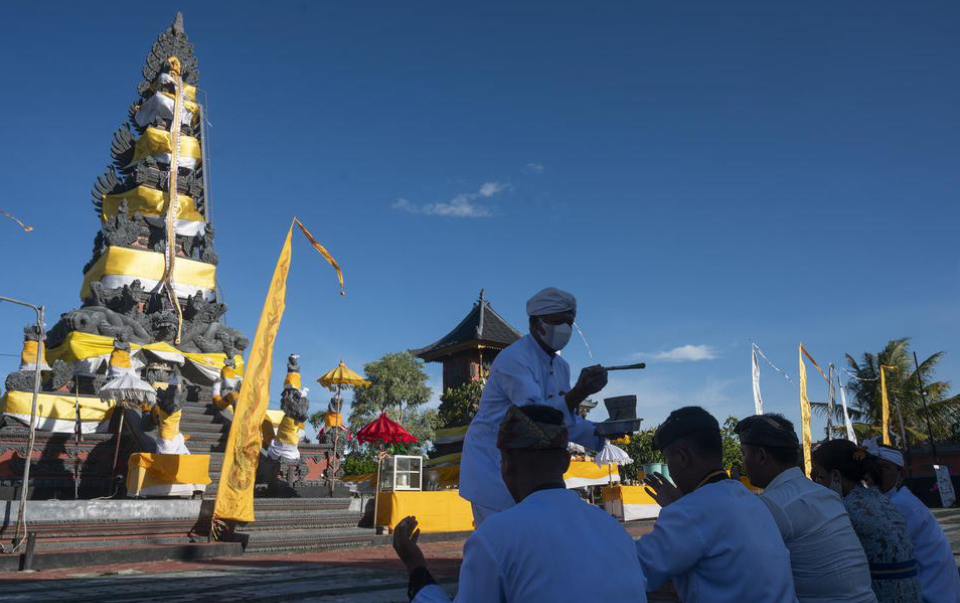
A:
<point x="612" y="455"/>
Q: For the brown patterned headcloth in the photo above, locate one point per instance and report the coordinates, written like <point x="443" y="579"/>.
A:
<point x="533" y="427"/>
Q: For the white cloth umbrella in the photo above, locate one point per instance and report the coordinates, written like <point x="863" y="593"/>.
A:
<point x="612" y="455"/>
<point x="127" y="389"/>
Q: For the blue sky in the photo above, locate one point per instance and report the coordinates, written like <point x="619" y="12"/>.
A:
<point x="704" y="175"/>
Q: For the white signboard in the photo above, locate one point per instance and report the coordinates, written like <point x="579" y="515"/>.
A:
<point x="945" y="486"/>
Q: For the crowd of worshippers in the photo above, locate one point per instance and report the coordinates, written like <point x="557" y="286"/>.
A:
<point x="853" y="533"/>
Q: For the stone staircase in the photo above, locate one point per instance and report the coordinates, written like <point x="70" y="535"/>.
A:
<point x="102" y="532"/>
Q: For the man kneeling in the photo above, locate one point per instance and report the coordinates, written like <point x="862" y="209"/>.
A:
<point x="550" y="547"/>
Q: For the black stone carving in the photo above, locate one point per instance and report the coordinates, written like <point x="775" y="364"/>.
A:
<point x="131" y="311"/>
<point x="171" y="399"/>
<point x="294" y="404"/>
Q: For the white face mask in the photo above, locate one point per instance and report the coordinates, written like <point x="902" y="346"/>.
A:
<point x="556" y="336"/>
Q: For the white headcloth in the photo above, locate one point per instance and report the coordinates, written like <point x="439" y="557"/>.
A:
<point x="884" y="452"/>
<point x="551" y="301"/>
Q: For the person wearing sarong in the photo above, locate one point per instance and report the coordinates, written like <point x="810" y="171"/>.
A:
<point x="842" y="466"/>
<point x="936" y="566"/>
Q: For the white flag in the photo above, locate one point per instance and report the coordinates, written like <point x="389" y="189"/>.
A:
<point x="757" y="398"/>
<point x="846" y="416"/>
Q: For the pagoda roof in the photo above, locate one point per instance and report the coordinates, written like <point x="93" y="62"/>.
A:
<point x="482" y="328"/>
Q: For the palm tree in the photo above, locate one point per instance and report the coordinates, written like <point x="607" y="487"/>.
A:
<point x="943" y="410"/>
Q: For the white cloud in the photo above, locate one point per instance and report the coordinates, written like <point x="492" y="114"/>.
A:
<point x="684" y="353"/>
<point x="463" y="205"/>
<point x="489" y="189"/>
<point x="536" y="168"/>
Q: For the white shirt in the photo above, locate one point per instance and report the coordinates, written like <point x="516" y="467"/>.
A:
<point x="719" y="544"/>
<point x="522" y="374"/>
<point x="828" y="561"/>
<point x="550" y="548"/>
<point x="936" y="568"/>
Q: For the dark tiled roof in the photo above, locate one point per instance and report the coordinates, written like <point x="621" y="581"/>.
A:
<point x="482" y="326"/>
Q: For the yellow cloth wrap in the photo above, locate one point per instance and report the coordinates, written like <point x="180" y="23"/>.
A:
<point x="228" y="372"/>
<point x="146" y="469"/>
<point x="188" y="104"/>
<point x="332" y="419"/>
<point x="120" y="358"/>
<point x="228" y="400"/>
<point x="168" y="425"/>
<point x="80" y="346"/>
<point x="29" y="353"/>
<point x="56" y="406"/>
<point x="149" y="202"/>
<point x="189" y="92"/>
<point x="274" y="417"/>
<point x="292" y="381"/>
<point x="156" y="141"/>
<point x="442" y="511"/>
<point x="136" y="263"/>
<point x="289" y="431"/>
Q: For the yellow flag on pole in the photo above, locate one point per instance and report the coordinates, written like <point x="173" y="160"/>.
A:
<point x="237" y="478"/>
<point x="884" y="405"/>
<point x="805" y="415"/>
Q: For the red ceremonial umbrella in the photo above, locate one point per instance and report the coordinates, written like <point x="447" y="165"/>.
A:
<point x="385" y="431"/>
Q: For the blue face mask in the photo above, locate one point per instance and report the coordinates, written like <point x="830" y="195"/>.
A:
<point x="556" y="336"/>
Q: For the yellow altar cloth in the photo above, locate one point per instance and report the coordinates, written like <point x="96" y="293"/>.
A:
<point x="57" y="412"/>
<point x="628" y="503"/>
<point x="587" y="473"/>
<point x="441" y="511"/>
<point x="146" y="471"/>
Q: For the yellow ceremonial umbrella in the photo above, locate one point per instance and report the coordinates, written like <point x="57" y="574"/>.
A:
<point x="336" y="380"/>
<point x="340" y="376"/>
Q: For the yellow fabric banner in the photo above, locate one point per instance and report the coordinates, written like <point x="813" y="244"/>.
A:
<point x="156" y="141"/>
<point x="123" y="264"/>
<point x="80" y="346"/>
<point x="884" y="406"/>
<point x="323" y="251"/>
<point x="805" y="415"/>
<point x="149" y="202"/>
<point x="235" y="495"/>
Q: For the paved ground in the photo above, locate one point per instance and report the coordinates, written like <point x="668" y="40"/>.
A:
<point x="368" y="575"/>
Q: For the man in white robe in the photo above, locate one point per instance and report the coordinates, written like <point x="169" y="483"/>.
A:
<point x="550" y="547"/>
<point x="713" y="538"/>
<point x="829" y="565"/>
<point x="530" y="371"/>
<point x="936" y="566"/>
